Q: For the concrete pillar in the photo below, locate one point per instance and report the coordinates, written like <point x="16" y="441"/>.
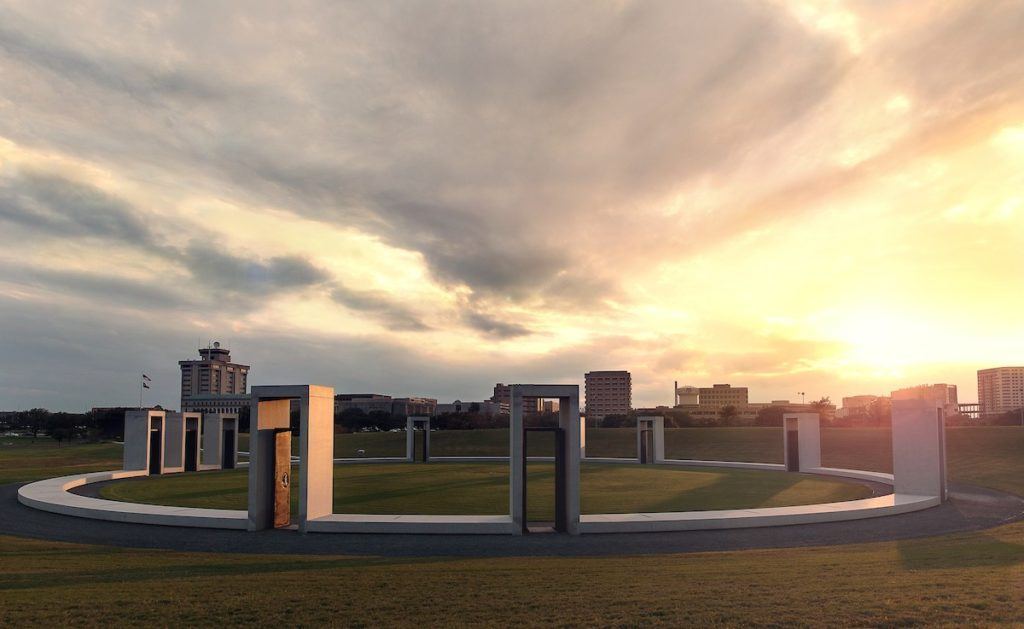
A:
<point x="656" y="424"/>
<point x="410" y="436"/>
<point x="174" y="443"/>
<point x="215" y="427"/>
<point x="583" y="439"/>
<point x="569" y="421"/>
<point x="918" y="448"/>
<point x="808" y="439"/>
<point x="516" y="455"/>
<point x="271" y="411"/>
<point x="137" y="427"/>
<point x="316" y="452"/>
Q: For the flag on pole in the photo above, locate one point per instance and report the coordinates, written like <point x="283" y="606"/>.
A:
<point x="145" y="379"/>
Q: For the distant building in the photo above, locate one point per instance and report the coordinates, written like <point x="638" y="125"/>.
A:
<point x="503" y="398"/>
<point x="857" y="405"/>
<point x="379" y="403"/>
<point x="486" y="407"/>
<point x="943" y="395"/>
<point x="213" y="383"/>
<point x="686" y="395"/>
<point x="723" y="395"/>
<point x="969" y="409"/>
<point x="608" y="393"/>
<point x="1000" y="390"/>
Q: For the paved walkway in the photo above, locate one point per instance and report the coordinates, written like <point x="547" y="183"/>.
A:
<point x="970" y="509"/>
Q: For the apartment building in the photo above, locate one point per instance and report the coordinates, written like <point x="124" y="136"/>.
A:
<point x="607" y="393"/>
<point x="1000" y="390"/>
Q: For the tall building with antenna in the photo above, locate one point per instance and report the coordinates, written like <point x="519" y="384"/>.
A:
<point x="213" y="383"/>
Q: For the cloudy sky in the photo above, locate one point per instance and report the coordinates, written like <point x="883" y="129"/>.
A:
<point x="429" y="197"/>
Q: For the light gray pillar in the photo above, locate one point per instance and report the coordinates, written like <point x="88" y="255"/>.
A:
<point x="515" y="456"/>
<point x="174" y="443"/>
<point x="918" y="448"/>
<point x="137" y="425"/>
<point x="808" y="427"/>
<point x="656" y="424"/>
<point x="316" y="452"/>
<point x="569" y="421"/>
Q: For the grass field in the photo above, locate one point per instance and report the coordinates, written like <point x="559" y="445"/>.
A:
<point x="964" y="579"/>
<point x="482" y="488"/>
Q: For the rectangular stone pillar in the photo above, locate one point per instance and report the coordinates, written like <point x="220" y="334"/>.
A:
<point x="316" y="454"/>
<point x="174" y="443"/>
<point x="137" y="426"/>
<point x="215" y="428"/>
<point x="808" y="427"/>
<point x="516" y="469"/>
<point x="918" y="448"/>
<point x="656" y="424"/>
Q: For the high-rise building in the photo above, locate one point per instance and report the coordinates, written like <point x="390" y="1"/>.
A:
<point x="213" y="384"/>
<point x="942" y="394"/>
<point x="608" y="393"/>
<point x="1000" y="390"/>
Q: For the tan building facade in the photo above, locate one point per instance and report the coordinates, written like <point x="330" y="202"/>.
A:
<point x="1000" y="390"/>
<point x="608" y="393"/>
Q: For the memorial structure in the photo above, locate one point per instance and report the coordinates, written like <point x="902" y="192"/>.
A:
<point x="422" y="423"/>
<point x="270" y="438"/>
<point x="801" y="441"/>
<point x="144" y="441"/>
<point x="220" y="441"/>
<point x="650" y="439"/>
<point x="567" y="455"/>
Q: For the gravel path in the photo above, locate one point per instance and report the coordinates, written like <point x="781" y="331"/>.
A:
<point x="969" y="509"/>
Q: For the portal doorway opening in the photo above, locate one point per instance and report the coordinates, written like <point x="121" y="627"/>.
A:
<point x="191" y="450"/>
<point x="646" y="445"/>
<point x="792" y="445"/>
<point x="561" y="523"/>
<point x="156" y="451"/>
<point x="228" y="452"/>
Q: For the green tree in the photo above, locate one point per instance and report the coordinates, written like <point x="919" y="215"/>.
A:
<point x="727" y="415"/>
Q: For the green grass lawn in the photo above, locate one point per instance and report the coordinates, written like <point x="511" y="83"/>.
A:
<point x="964" y="579"/>
<point x="482" y="488"/>
<point x="24" y="458"/>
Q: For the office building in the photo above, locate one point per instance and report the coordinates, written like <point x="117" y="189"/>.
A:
<point x="1000" y="390"/>
<point x="943" y="395"/>
<point x="608" y="393"/>
<point x="503" y="398"/>
<point x="379" y="403"/>
<point x="859" y="405"/>
<point x="213" y="384"/>
<point x="723" y="395"/>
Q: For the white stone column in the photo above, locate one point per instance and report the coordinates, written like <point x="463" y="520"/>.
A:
<point x="569" y="421"/>
<point x="137" y="425"/>
<point x="656" y="424"/>
<point x="174" y="443"/>
<point x="316" y="452"/>
<point x="918" y="448"/>
<point x="808" y="426"/>
<point x="515" y="456"/>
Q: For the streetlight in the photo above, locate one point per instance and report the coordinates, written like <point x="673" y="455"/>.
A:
<point x="801" y="394"/>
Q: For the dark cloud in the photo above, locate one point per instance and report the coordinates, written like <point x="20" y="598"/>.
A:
<point x="380" y="306"/>
<point x="494" y="327"/>
<point x="235" y="274"/>
<point x="103" y="289"/>
<point x="61" y="207"/>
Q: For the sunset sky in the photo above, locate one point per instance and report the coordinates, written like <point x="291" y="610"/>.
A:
<point x="426" y="198"/>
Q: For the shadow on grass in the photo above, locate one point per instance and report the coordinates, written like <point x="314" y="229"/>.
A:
<point x="974" y="550"/>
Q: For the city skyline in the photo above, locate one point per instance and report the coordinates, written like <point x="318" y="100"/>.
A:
<point x="403" y="209"/>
